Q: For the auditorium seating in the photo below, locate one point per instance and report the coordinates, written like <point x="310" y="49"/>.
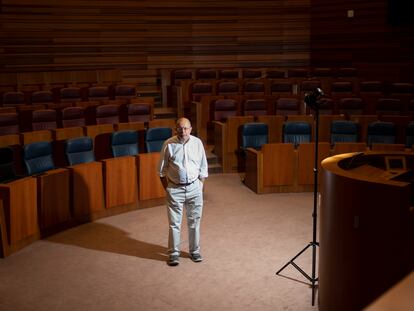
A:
<point x="254" y="107"/>
<point x="70" y="94"/>
<point x="79" y="150"/>
<point x="344" y="131"/>
<point x="13" y="98"/>
<point x="223" y="108"/>
<point x="155" y="137"/>
<point x="351" y="105"/>
<point x="98" y="93"/>
<point x="44" y="119"/>
<point x="124" y="143"/>
<point x="9" y="123"/>
<point x="253" y="135"/>
<point x="287" y="106"/>
<point x="73" y="117"/>
<point x="42" y="97"/>
<point x="381" y="132"/>
<point x="297" y="132"/>
<point x="53" y="186"/>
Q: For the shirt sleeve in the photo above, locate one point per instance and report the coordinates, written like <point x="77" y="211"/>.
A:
<point x="163" y="162"/>
<point x="203" y="163"/>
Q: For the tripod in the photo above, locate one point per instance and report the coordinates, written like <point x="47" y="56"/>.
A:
<point x="311" y="100"/>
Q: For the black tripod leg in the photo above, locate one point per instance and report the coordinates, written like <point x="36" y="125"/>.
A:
<point x="293" y="259"/>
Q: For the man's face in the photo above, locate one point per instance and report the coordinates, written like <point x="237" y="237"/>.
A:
<point x="183" y="130"/>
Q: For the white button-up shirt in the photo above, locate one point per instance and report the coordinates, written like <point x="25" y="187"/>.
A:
<point x="183" y="163"/>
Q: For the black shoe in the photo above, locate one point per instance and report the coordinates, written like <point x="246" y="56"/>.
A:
<point x="196" y="257"/>
<point x="173" y="260"/>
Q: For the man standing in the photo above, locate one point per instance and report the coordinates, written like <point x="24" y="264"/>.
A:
<point x="182" y="169"/>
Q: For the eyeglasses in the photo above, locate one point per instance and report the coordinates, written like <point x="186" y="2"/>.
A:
<point x="179" y="129"/>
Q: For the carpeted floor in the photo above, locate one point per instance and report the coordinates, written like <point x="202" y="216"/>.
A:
<point x="119" y="263"/>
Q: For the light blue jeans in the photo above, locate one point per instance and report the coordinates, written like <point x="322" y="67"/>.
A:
<point x="190" y="197"/>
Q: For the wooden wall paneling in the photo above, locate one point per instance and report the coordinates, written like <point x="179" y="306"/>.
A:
<point x="87" y="190"/>
<point x="149" y="183"/>
<point x="53" y="200"/>
<point x="120" y="181"/>
<point x="18" y="215"/>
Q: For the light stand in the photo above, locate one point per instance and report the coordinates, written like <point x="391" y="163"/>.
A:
<point x="312" y="101"/>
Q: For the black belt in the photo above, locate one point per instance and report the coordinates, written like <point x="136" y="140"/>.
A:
<point x="184" y="184"/>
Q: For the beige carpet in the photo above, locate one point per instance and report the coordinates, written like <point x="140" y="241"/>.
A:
<point x="118" y="263"/>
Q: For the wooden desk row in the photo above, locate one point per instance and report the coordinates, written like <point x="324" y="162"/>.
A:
<point x="37" y="206"/>
<point x="226" y="133"/>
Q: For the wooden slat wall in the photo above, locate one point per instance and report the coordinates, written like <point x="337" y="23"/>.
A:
<point x="367" y="41"/>
<point x="144" y="36"/>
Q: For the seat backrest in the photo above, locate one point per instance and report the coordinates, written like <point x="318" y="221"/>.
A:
<point x="255" y="87"/>
<point x="287" y="106"/>
<point x="79" y="150"/>
<point x="224" y="108"/>
<point x="38" y="157"/>
<point x="125" y="91"/>
<point x="107" y="114"/>
<point x="9" y="123"/>
<point x="44" y="119"/>
<point x="254" y="107"/>
<point x="344" y="131"/>
<point x="275" y="74"/>
<point x="351" y="106"/>
<point x="155" y="137"/>
<point x="310" y="85"/>
<point x="7" y="169"/>
<point x="124" y="143"/>
<point x="381" y="132"/>
<point x="139" y="112"/>
<point x="254" y="135"/>
<point x="206" y="74"/>
<point x="199" y="89"/>
<point x="389" y="106"/>
<point x="98" y="93"/>
<point x="13" y="98"/>
<point x="227" y="88"/>
<point x="326" y="105"/>
<point x="73" y="116"/>
<point x="296" y="132"/>
<point x="252" y="74"/>
<point x="70" y="94"/>
<point x="229" y="74"/>
<point x="281" y="87"/>
<point x="42" y="97"/>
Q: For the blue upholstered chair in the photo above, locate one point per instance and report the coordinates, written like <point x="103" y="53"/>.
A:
<point x="155" y="137"/>
<point x="38" y="157"/>
<point x="79" y="150"/>
<point x="296" y="132"/>
<point x="253" y="135"/>
<point x="381" y="132"/>
<point x="343" y="131"/>
<point x="124" y="143"/>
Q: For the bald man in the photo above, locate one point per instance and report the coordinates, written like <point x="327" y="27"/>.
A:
<point x="182" y="169"/>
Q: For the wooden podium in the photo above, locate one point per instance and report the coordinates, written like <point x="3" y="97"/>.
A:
<point x="366" y="227"/>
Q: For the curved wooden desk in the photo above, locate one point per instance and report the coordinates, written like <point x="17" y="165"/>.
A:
<point x="366" y="228"/>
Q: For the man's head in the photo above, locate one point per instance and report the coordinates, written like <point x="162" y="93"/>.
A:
<point x="183" y="128"/>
